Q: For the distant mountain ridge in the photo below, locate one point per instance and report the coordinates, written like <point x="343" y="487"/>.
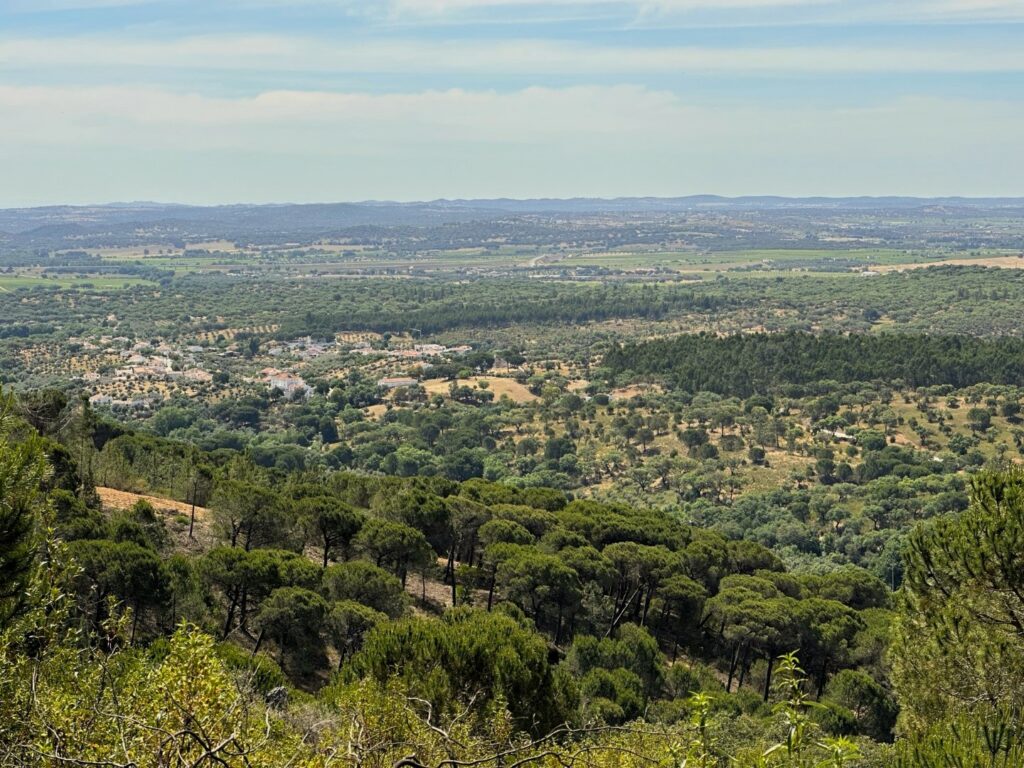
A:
<point x="391" y="212"/>
<point x="64" y="226"/>
<point x="746" y="202"/>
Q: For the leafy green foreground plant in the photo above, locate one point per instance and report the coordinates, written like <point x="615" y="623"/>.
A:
<point x="23" y="469"/>
<point x="958" y="649"/>
<point x="179" y="706"/>
<point x="67" y="700"/>
<point x="804" y="745"/>
<point x="963" y="744"/>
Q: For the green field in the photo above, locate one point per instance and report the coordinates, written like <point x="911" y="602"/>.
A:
<point x="762" y="262"/>
<point x="772" y="261"/>
<point x="14" y="282"/>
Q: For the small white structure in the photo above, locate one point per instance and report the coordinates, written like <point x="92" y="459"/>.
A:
<point x="288" y="383"/>
<point x="429" y="349"/>
<point x="394" y="382"/>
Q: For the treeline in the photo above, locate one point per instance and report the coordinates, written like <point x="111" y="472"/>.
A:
<point x="48" y="259"/>
<point x="303" y="307"/>
<point x="22" y="330"/>
<point x="929" y="300"/>
<point x="742" y="365"/>
<point x="124" y="269"/>
<point x="926" y="301"/>
<point x="454" y="307"/>
<point x="80" y="263"/>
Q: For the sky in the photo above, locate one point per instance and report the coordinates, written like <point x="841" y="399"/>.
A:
<point x="225" y="101"/>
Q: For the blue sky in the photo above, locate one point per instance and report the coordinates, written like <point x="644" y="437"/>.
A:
<point x="219" y="101"/>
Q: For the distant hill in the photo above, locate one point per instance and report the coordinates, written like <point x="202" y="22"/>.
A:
<point x="695" y="202"/>
<point x="71" y="226"/>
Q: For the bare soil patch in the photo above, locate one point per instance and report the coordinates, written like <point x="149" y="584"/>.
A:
<point x="115" y="499"/>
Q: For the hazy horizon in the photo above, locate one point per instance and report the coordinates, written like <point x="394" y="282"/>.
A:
<point x="969" y="199"/>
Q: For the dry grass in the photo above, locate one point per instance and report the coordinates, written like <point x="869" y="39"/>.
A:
<point x="115" y="499"/>
<point x="376" y="411"/>
<point x="177" y="518"/>
<point x="214" y="245"/>
<point x="499" y="385"/>
<point x="627" y="393"/>
<point x="1003" y="262"/>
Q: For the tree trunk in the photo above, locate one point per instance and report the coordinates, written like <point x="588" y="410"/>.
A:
<point x="449" y="572"/>
<point x="647" y="606"/>
<point x="639" y="606"/>
<point x="744" y="667"/>
<point x="135" y="620"/>
<point x="449" y="567"/>
<point x="619" y="614"/>
<point x="768" y="677"/>
<point x="243" y="612"/>
<point x="663" y="616"/>
<point x="732" y="668"/>
<point x="231" y="617"/>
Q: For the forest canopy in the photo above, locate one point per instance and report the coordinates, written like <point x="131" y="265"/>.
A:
<point x="742" y="365"/>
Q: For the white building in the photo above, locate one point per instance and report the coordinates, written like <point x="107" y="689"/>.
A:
<point x="288" y="383"/>
<point x="394" y="382"/>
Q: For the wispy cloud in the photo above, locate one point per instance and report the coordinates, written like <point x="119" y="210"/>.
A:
<point x="862" y="10"/>
<point x="451" y="6"/>
<point x="831" y="10"/>
<point x="44" y="6"/>
<point x="583" y="140"/>
<point x="85" y="115"/>
<point x="509" y="57"/>
<point x="333" y="102"/>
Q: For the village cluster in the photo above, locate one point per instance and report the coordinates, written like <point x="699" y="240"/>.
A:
<point x="135" y="375"/>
